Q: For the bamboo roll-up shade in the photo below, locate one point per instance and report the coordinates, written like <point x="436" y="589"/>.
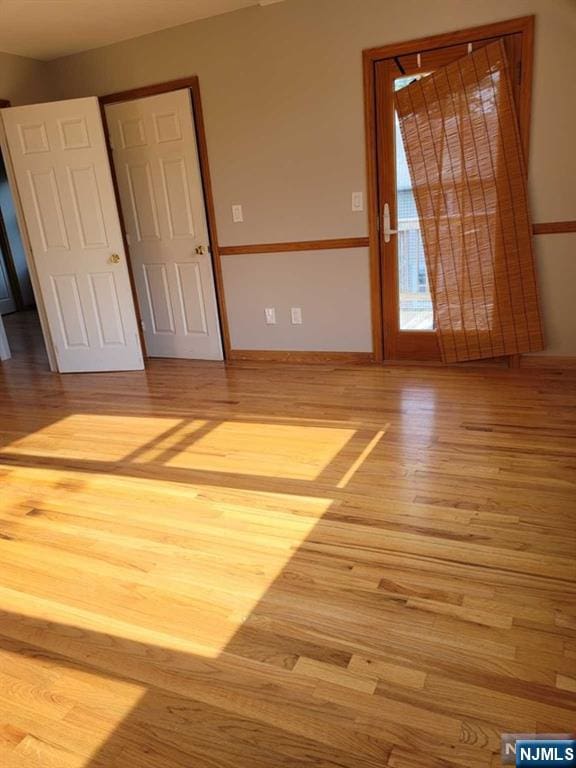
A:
<point x="463" y="148"/>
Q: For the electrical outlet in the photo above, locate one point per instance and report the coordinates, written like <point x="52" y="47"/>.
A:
<point x="296" y="314"/>
<point x="270" y="314"/>
<point x="357" y="201"/>
<point x="237" y="214"/>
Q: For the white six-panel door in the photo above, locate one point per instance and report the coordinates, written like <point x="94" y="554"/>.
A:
<point x="62" y="172"/>
<point x="159" y="180"/>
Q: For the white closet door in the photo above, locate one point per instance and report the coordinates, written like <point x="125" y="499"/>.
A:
<point x="63" y="177"/>
<point x="158" y="172"/>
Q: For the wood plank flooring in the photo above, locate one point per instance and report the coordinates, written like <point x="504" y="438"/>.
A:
<point x="257" y="566"/>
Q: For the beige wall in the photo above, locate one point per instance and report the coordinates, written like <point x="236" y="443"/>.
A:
<point x="321" y="283"/>
<point x="282" y="92"/>
<point x="22" y="80"/>
<point x="557" y="276"/>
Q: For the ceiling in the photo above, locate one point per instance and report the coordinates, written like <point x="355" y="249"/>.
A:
<point x="48" y="29"/>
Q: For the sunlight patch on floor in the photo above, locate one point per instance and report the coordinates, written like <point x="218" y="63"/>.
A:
<point x="356" y="465"/>
<point x="270" y="450"/>
<point x="94" y="437"/>
<point x="200" y="515"/>
<point x="75" y="710"/>
<point x="289" y="451"/>
<point x="211" y="553"/>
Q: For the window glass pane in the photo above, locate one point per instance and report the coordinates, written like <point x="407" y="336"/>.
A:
<point x="416" y="312"/>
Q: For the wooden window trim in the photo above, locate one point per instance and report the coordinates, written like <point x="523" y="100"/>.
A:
<point x="193" y="85"/>
<point x="523" y="25"/>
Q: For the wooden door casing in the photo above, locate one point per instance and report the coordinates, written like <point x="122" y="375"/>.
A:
<point x="381" y="66"/>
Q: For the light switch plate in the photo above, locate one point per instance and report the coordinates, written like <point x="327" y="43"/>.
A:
<point x="237" y="214"/>
<point x="296" y="314"/>
<point x="357" y="201"/>
<point x="270" y="314"/>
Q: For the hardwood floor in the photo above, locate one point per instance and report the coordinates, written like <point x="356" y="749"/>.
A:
<point x="259" y="566"/>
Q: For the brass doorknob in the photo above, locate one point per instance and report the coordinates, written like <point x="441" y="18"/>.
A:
<point x="200" y="250"/>
<point x="114" y="258"/>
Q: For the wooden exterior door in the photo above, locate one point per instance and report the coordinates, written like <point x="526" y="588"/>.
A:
<point x="404" y="319"/>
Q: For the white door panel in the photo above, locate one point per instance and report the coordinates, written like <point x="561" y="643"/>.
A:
<point x="63" y="176"/>
<point x="160" y="185"/>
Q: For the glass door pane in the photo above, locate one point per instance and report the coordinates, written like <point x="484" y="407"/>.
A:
<point x="415" y="302"/>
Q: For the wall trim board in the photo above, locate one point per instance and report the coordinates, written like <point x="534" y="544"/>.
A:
<point x="535" y="362"/>
<point x="191" y="83"/>
<point x="554" y="227"/>
<point x="298" y="245"/>
<point x="548" y="362"/>
<point x="328" y="244"/>
<point x="304" y="356"/>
